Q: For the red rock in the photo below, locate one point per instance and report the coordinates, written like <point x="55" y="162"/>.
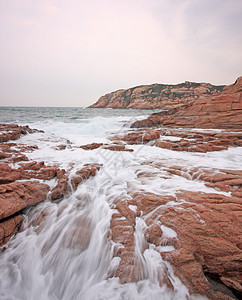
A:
<point x="155" y="96"/>
<point x="124" y="210"/>
<point x="210" y="233"/>
<point x="147" y="202"/>
<point x="139" y="137"/>
<point x="20" y="158"/>
<point x="33" y="165"/>
<point x="114" y="147"/>
<point x="122" y="228"/>
<point x="87" y="171"/>
<point x="7" y="174"/>
<point x="91" y="146"/>
<point x="13" y="131"/>
<point x="61" y="147"/>
<point x="153" y="234"/>
<point x="4" y="155"/>
<point x="208" y="228"/>
<point x="60" y="189"/>
<point x="8" y="228"/>
<point x="16" y="196"/>
<point x="222" y="110"/>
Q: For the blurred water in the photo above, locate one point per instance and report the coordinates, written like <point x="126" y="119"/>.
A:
<point x="63" y="250"/>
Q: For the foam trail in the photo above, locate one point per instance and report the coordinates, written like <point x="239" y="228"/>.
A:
<point x="63" y="250"/>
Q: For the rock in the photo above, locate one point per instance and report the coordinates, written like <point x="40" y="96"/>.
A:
<point x="8" y="228"/>
<point x="4" y="155"/>
<point x="91" y="146"/>
<point x="207" y="225"/>
<point x="153" y="234"/>
<point x="221" y="110"/>
<point x="197" y="142"/>
<point x="115" y="147"/>
<point x="7" y="174"/>
<point x="210" y="233"/>
<point x="16" y="196"/>
<point x="139" y="137"/>
<point x="122" y="228"/>
<point x="157" y="96"/>
<point x="61" y="147"/>
<point x="60" y="189"/>
<point x="87" y="171"/>
<point x="14" y="131"/>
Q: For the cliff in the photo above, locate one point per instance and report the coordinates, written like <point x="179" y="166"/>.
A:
<point x="221" y="110"/>
<point x="157" y="96"/>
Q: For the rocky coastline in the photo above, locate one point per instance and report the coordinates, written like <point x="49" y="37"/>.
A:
<point x="24" y="183"/>
<point x="158" y="96"/>
<point x="205" y="228"/>
<point x="222" y="110"/>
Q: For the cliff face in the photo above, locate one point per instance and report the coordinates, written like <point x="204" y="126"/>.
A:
<point x="223" y="110"/>
<point x="157" y="96"/>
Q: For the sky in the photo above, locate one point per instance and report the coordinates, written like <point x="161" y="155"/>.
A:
<point x="71" y="52"/>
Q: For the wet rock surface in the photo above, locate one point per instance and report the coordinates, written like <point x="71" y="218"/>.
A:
<point x="84" y="173"/>
<point x="118" y="146"/>
<point x="19" y="179"/>
<point x="13" y="131"/>
<point x="207" y="226"/>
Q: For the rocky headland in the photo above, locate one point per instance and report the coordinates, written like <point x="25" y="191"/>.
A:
<point x="157" y="96"/>
<point x="221" y="111"/>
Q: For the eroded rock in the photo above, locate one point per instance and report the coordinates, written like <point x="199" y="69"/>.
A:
<point x="87" y="171"/>
<point x="222" y="110"/>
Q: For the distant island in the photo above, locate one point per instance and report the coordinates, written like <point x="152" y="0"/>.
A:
<point x="157" y="96"/>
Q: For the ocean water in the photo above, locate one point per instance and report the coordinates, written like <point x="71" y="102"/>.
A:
<point x="45" y="261"/>
<point x="11" y="114"/>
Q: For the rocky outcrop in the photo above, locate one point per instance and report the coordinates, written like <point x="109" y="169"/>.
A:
<point x="200" y="235"/>
<point x="84" y="173"/>
<point x="117" y="146"/>
<point x="13" y="131"/>
<point x="9" y="227"/>
<point x="223" y="110"/>
<point x="157" y="96"/>
<point x="17" y="192"/>
<point x="184" y="139"/>
<point x="16" y="196"/>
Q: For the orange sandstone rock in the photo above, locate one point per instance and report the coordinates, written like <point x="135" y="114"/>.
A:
<point x="222" y="110"/>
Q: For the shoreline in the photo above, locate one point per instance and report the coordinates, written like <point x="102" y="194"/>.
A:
<point x="188" y="252"/>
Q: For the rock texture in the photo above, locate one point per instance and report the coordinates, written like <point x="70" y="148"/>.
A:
<point x="13" y="131"/>
<point x="84" y="173"/>
<point x="184" y="139"/>
<point x="222" y="110"/>
<point x="198" y="233"/>
<point x="157" y="96"/>
<point x="17" y="192"/>
<point x="206" y="253"/>
<point x="204" y="244"/>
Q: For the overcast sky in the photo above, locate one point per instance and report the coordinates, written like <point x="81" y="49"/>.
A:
<point x="71" y="52"/>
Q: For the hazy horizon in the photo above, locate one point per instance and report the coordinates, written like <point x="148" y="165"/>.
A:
<point x="70" y="53"/>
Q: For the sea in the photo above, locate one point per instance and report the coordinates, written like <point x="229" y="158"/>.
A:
<point x="39" y="263"/>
